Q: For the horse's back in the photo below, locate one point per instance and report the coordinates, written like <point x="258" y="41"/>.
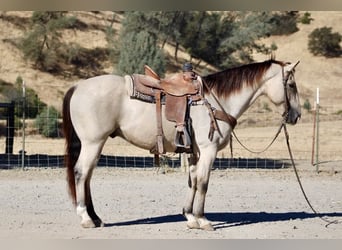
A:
<point x="100" y="86"/>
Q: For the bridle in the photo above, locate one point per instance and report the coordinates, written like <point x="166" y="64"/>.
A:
<point x="285" y="78"/>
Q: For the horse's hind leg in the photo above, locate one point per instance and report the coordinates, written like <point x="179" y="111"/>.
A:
<point x="83" y="171"/>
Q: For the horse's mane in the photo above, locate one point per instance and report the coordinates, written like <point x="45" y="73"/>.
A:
<point x="232" y="80"/>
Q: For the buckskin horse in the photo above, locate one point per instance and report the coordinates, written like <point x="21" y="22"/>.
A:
<point x="102" y="107"/>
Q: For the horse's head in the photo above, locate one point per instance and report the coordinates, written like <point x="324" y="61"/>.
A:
<point x="282" y="88"/>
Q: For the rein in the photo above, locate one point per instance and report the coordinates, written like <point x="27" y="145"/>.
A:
<point x="267" y="147"/>
<point x="300" y="183"/>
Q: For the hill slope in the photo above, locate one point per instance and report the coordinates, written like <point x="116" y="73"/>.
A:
<point x="312" y="72"/>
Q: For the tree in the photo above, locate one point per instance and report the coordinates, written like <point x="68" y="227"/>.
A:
<point x="173" y="26"/>
<point x="112" y="40"/>
<point x="139" y="45"/>
<point x="201" y="35"/>
<point x="240" y="36"/>
<point x="138" y="49"/>
<point x="325" y="43"/>
<point x="14" y="92"/>
<point x="42" y="43"/>
<point x="284" y="23"/>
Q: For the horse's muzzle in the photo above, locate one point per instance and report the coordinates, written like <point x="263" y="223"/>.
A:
<point x="293" y="116"/>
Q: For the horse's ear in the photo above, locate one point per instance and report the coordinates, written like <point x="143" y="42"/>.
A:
<point x="292" y="66"/>
<point x="296" y="64"/>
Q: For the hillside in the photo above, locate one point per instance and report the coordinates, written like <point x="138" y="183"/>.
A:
<point x="312" y="72"/>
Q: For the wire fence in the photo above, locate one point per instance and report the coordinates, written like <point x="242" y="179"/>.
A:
<point x="256" y="128"/>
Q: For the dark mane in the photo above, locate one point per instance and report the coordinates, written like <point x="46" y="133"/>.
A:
<point x="231" y="80"/>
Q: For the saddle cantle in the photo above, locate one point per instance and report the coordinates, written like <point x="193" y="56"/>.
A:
<point x="150" y="72"/>
<point x="175" y="93"/>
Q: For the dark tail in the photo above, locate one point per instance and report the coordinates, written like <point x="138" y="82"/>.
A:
<point x="72" y="144"/>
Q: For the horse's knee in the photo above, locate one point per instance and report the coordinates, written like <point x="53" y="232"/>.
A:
<point x="192" y="179"/>
<point x="202" y="186"/>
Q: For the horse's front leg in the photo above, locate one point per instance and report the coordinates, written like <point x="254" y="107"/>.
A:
<point x="188" y="208"/>
<point x="198" y="184"/>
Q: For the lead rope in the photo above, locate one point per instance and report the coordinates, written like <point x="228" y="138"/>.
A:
<point x="300" y="183"/>
<point x="267" y="147"/>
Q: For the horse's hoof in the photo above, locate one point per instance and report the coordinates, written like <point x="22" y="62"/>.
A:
<point x="99" y="223"/>
<point x="207" y="227"/>
<point x="192" y="222"/>
<point x="205" y="224"/>
<point x="193" y="225"/>
<point x="88" y="224"/>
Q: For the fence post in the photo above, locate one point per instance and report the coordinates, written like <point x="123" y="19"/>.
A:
<point x="184" y="162"/>
<point x="10" y="128"/>
<point x="317" y="130"/>
<point x="23" y="130"/>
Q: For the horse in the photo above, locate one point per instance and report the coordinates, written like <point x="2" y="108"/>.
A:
<point x="100" y="107"/>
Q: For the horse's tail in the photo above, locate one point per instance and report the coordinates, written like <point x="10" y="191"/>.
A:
<point x="72" y="145"/>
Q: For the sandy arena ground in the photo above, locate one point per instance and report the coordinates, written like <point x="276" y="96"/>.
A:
<point x="146" y="204"/>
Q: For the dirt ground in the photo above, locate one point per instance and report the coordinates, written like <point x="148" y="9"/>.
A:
<point x="147" y="204"/>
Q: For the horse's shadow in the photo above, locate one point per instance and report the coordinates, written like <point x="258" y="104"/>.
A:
<point x="225" y="220"/>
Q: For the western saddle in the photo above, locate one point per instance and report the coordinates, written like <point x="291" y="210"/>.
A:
<point x="177" y="93"/>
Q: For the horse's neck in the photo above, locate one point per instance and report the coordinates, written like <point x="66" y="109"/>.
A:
<point x="247" y="96"/>
<point x="237" y="103"/>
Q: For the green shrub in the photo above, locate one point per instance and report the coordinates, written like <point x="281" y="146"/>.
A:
<point x="325" y="43"/>
<point x="307" y="105"/>
<point x="306" y="18"/>
<point x="47" y="122"/>
<point x="284" y="23"/>
<point x="32" y="102"/>
<point x="266" y="107"/>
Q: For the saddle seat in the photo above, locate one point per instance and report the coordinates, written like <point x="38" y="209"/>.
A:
<point x="174" y="85"/>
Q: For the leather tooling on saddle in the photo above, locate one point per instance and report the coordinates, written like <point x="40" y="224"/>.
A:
<point x="176" y="93"/>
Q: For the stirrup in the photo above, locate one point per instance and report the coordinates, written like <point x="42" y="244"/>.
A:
<point x="183" y="139"/>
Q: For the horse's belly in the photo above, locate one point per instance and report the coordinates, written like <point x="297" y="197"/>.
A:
<point x="139" y="126"/>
